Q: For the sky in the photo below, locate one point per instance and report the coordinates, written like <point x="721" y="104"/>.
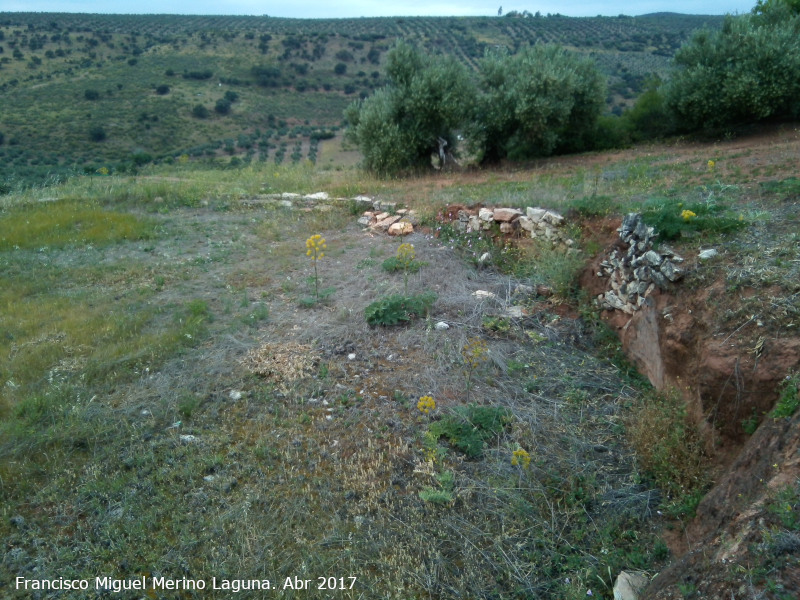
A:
<point x="319" y="9"/>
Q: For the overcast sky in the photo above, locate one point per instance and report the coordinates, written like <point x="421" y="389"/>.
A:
<point x="369" y="8"/>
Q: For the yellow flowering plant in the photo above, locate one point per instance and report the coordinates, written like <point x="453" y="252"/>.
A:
<point x="475" y="352"/>
<point x="426" y="404"/>
<point x="688" y="215"/>
<point x="405" y="258"/>
<point x="315" y="250"/>
<point x="521" y="458"/>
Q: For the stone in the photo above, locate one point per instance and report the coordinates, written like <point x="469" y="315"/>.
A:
<point x="441" y="326"/>
<point x="401" y="228"/>
<point x="485" y="258"/>
<point x="483" y="295"/>
<point x="290" y="196"/>
<point x="670" y="271"/>
<point x="629" y="224"/>
<point x="659" y="279"/>
<point x="285" y="203"/>
<point x="317" y="196"/>
<point x="235" y="395"/>
<point x="612" y="300"/>
<point x="385" y="223"/>
<point x="364" y="221"/>
<point x="553" y="218"/>
<point x="707" y="254"/>
<point x="506" y="227"/>
<point x="629" y="585"/>
<point x="188" y="438"/>
<point x="651" y="258"/>
<point x="535" y="214"/>
<point x="526" y="223"/>
<point x="514" y="312"/>
<point x="475" y="223"/>
<point x="506" y="215"/>
<point x="486" y="214"/>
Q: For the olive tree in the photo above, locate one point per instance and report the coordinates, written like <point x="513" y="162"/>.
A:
<point x="542" y="100"/>
<point x="747" y="71"/>
<point x="415" y="116"/>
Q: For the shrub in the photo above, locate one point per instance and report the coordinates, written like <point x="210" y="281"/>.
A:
<point x="97" y="133"/>
<point x="91" y="95"/>
<point x="469" y="427"/>
<point x="223" y="106"/>
<point x="340" y="69"/>
<point x="747" y="71"/>
<point x="162" y="90"/>
<point x="395" y="309"/>
<point x="199" y="111"/>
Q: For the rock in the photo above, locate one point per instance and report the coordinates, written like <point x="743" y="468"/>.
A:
<point x="506" y="227"/>
<point x="485" y="258"/>
<point x="364" y="221"/>
<point x="486" y="214"/>
<point x="317" y="196"/>
<point x="652" y="258"/>
<point x="707" y="254"/>
<point x="553" y="218"/>
<point x="187" y="438"/>
<point x="290" y="196"/>
<point x="235" y="395"/>
<point x="475" y="223"/>
<point x="401" y="228"/>
<point x="670" y="271"/>
<point x="351" y="356"/>
<point x="612" y="300"/>
<point x="285" y="203"/>
<point x="483" y="295"/>
<point x="526" y="223"/>
<point x="386" y="222"/>
<point x="629" y="585"/>
<point x="441" y="326"/>
<point x="506" y="215"/>
<point x="535" y="214"/>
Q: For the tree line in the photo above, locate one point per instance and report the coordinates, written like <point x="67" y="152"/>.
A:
<point x="545" y="100"/>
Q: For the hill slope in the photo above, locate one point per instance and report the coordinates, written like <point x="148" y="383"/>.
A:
<point x="86" y="91"/>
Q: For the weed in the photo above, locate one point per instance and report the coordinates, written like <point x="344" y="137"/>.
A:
<point x="789" y="398"/>
<point x="396" y="309"/>
<point x="315" y="251"/>
<point x="469" y="427"/>
<point x="442" y="495"/>
<point x="669" y="447"/>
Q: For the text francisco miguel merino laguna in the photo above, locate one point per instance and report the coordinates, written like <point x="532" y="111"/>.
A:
<point x="165" y="583"/>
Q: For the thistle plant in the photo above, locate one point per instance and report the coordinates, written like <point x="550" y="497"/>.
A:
<point x="315" y="250"/>
<point x="474" y="353"/>
<point x="405" y="258"/>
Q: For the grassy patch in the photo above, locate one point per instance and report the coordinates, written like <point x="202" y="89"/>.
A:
<point x="70" y="222"/>
<point x="396" y="309"/>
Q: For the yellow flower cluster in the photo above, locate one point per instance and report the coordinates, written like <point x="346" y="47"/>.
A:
<point x="103" y="171"/>
<point x="711" y="165"/>
<point x="405" y="254"/>
<point x="315" y="245"/>
<point x="475" y="352"/>
<point x="688" y="215"/>
<point x="521" y="458"/>
<point x="426" y="404"/>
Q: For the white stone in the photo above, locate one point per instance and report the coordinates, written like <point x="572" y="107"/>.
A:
<point x="441" y="326"/>
<point x="317" y="196"/>
<point x="525" y="223"/>
<point x="486" y="214"/>
<point x="483" y="294"/>
<point x="188" y="438"/>
<point x="629" y="585"/>
<point x="351" y="356"/>
<point x="553" y="218"/>
<point x="235" y="395"/>
<point x="707" y="254"/>
<point x="535" y="214"/>
<point x="289" y="195"/>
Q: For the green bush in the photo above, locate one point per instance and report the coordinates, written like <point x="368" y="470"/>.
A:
<point x="670" y="224"/>
<point x="789" y="398"/>
<point x="400" y="126"/>
<point x="469" y="427"/>
<point x="395" y="309"/>
<point x="542" y="100"/>
<point x="747" y="71"/>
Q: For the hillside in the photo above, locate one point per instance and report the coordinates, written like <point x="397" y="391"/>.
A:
<point x="82" y="92"/>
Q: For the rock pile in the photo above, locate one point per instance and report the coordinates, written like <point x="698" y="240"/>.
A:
<point x="636" y="272"/>
<point x="400" y="223"/>
<point x="537" y="223"/>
